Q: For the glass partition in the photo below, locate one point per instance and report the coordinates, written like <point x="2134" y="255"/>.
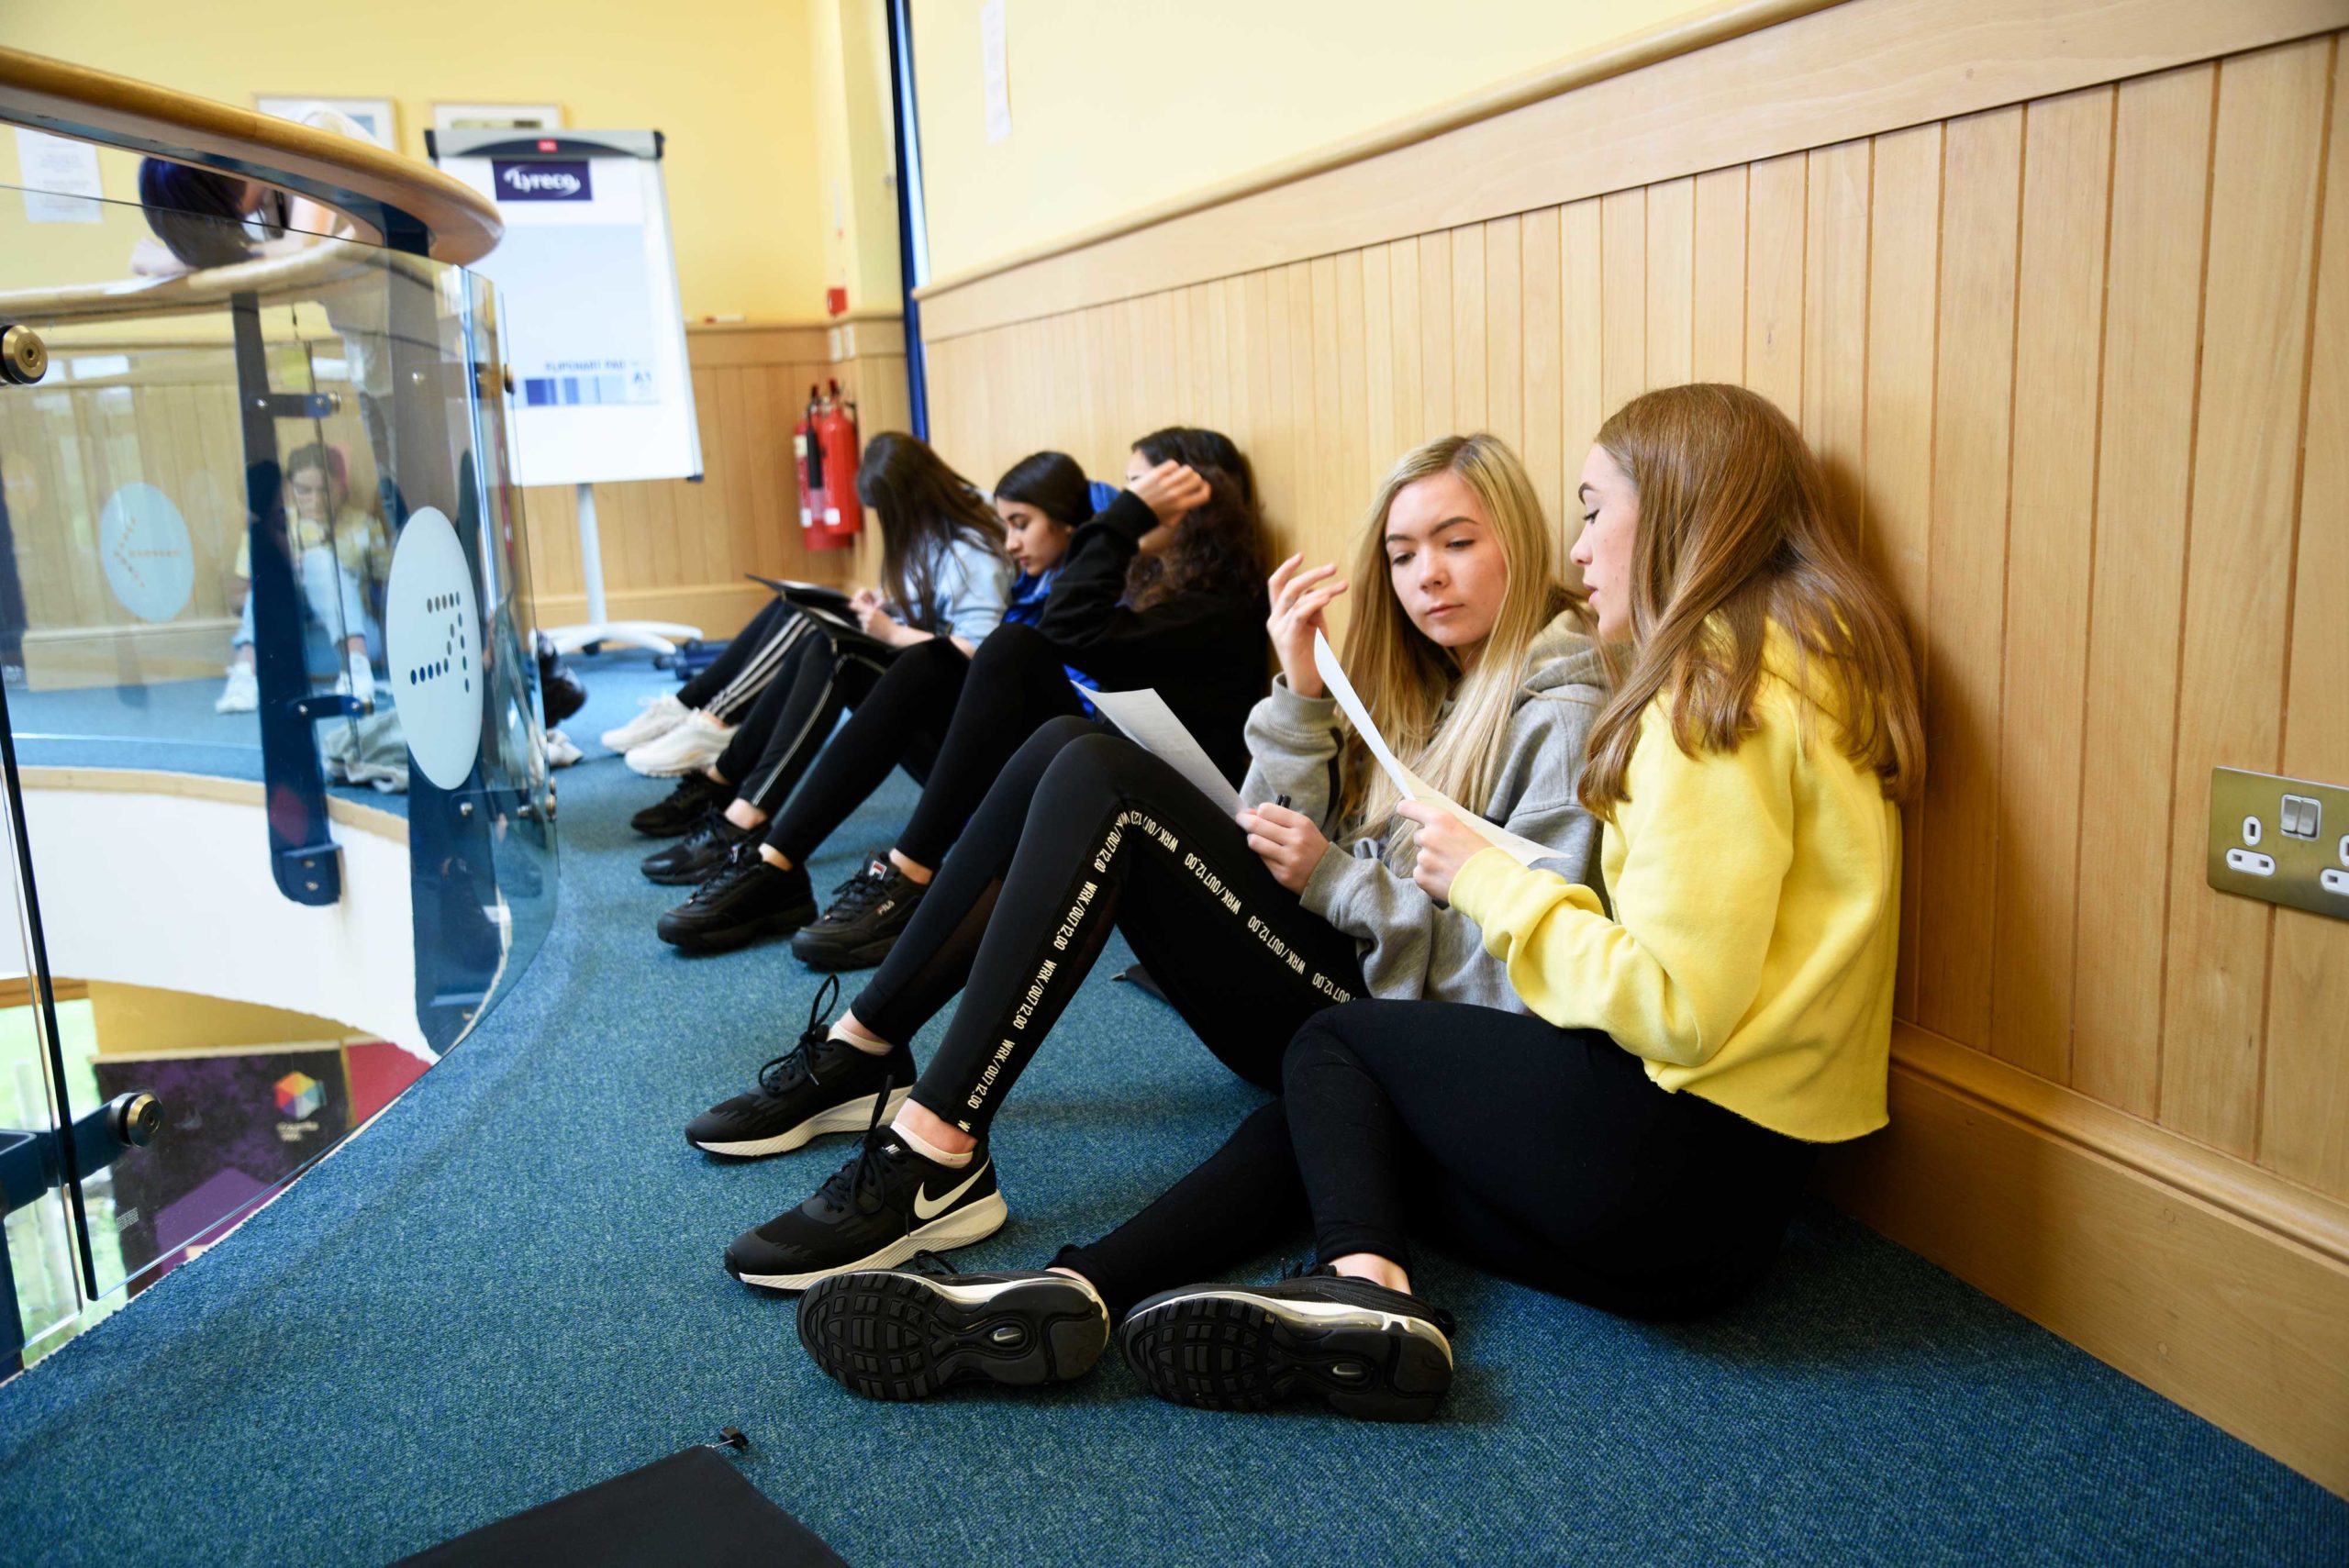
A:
<point x="272" y="714"/>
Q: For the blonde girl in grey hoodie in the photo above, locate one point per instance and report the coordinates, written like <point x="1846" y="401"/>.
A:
<point x="1473" y="658"/>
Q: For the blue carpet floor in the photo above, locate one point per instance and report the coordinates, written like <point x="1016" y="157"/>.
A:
<point x="509" y="1288"/>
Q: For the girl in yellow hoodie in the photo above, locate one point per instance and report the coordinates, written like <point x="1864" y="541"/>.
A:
<point x="1697" y="1027"/>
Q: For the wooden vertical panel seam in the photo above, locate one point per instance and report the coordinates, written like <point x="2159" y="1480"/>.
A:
<point x="2292" y="548"/>
<point x="2005" y="570"/>
<point x="2088" y="624"/>
<point x="2185" y="577"/>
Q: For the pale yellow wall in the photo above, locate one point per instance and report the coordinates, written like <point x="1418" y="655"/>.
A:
<point x="1118" y="104"/>
<point x="849" y="46"/>
<point x="730" y="82"/>
<point x="136" y="1020"/>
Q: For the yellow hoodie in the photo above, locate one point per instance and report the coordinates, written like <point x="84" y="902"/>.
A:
<point x="1756" y="899"/>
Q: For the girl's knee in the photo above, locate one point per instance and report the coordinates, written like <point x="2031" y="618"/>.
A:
<point x="1322" y="1040"/>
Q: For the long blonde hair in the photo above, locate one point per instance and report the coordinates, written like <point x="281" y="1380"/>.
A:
<point x="1736" y="531"/>
<point x="1406" y="679"/>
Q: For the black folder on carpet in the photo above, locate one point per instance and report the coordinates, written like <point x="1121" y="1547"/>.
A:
<point x="688" y="1510"/>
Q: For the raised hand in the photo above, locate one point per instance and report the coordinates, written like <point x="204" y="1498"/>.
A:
<point x="1170" y="490"/>
<point x="1298" y="598"/>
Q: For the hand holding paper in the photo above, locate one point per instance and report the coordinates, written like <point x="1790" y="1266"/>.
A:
<point x="1525" y="851"/>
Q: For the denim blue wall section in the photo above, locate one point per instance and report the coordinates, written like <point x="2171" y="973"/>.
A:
<point x="509" y="1288"/>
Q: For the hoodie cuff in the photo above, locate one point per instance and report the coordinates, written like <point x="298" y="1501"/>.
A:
<point x="1328" y="893"/>
<point x="1128" y="515"/>
<point x="1480" y="881"/>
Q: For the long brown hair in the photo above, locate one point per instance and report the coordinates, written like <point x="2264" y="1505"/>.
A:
<point x="1447" y="725"/>
<point x="1220" y="549"/>
<point x="925" y="507"/>
<point x="1737" y="531"/>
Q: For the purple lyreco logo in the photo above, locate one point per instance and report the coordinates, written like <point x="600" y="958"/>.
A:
<point x="541" y="180"/>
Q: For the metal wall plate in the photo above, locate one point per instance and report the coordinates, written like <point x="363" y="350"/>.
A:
<point x="2284" y="840"/>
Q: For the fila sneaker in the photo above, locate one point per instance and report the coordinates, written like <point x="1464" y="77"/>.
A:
<point x="903" y="1334"/>
<point x="693" y="857"/>
<point x="683" y="807"/>
<point x="867" y="917"/>
<point x="1359" y="1348"/>
<point x="743" y="900"/>
<point x="818" y="1085"/>
<point x="660" y="715"/>
<point x="874" y="1212"/>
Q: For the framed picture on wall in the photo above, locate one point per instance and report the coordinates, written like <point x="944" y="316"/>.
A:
<point x="374" y="116"/>
<point x="498" y="116"/>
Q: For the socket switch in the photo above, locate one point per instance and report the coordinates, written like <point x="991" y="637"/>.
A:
<point x="2268" y="840"/>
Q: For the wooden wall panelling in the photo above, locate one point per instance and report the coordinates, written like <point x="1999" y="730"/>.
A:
<point x="1263" y="417"/>
<point x="1381" y="440"/>
<point x="1468" y="329"/>
<point x="1276" y="478"/>
<point x="1623" y="293"/>
<point x="1542" y="383"/>
<point x="1583" y="399"/>
<point x="2305" y="1131"/>
<point x="1973" y="408"/>
<point x="1834" y="412"/>
<point x="1503" y="331"/>
<point x="1325" y="458"/>
<point x="1904" y="270"/>
<point x="1403" y="314"/>
<point x="1717" y="345"/>
<point x="1236" y="361"/>
<point x="1356" y="461"/>
<point x="2266" y="158"/>
<point x="1777" y="226"/>
<point x="2068" y="158"/>
<point x="1436" y="406"/>
<point x="1671" y="284"/>
<point x="1306" y="412"/>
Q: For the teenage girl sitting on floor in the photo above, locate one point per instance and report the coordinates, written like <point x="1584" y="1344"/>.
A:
<point x="1639" y="1142"/>
<point x="1162" y="589"/>
<point x="1482" y="675"/>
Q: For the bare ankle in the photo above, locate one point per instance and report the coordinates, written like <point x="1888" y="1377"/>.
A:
<point x="774" y="857"/>
<point x="933" y="1129"/>
<point x="857" y="1035"/>
<point x="1371" y="1267"/>
<point x="912" y="870"/>
<point x="745" y="815"/>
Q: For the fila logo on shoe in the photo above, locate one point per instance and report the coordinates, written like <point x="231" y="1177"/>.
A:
<point x="925" y="1209"/>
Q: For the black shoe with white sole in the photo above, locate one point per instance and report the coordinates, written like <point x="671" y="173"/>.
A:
<point x="1359" y="1348"/>
<point x="874" y="1212"/>
<point x="820" y="1086"/>
<point x="869" y="912"/>
<point x="904" y="1334"/>
<point x="746" y="899"/>
<point x="693" y="858"/>
<point x="683" y="807"/>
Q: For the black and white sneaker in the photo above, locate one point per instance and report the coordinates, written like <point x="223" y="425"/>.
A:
<point x="903" y="1334"/>
<point x="681" y="810"/>
<point x="874" y="1212"/>
<point x="1359" y="1348"/>
<point x="818" y="1087"/>
<point x="693" y="857"/>
<point x="748" y="899"/>
<point x="868" y="914"/>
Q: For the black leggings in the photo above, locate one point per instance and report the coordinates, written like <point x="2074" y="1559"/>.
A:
<point x="789" y="723"/>
<point x="1541" y="1154"/>
<point x="1082" y="831"/>
<point x="744" y="667"/>
<point x="951" y="719"/>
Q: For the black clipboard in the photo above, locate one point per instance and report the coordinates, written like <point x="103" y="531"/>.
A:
<point x="827" y="608"/>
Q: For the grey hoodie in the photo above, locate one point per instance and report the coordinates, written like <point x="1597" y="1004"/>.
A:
<point x="1412" y="948"/>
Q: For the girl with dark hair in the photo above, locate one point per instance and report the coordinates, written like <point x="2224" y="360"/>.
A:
<point x="1161" y="589"/>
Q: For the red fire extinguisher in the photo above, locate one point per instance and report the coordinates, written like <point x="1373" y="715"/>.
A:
<point x="832" y="435"/>
<point x="808" y="461"/>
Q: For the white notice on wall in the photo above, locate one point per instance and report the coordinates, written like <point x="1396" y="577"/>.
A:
<point x="995" y="67"/>
<point x="59" y="176"/>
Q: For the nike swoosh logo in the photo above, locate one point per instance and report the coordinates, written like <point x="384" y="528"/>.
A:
<point x="925" y="1209"/>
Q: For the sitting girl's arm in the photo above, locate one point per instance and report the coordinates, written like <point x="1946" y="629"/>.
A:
<point x="1708" y="841"/>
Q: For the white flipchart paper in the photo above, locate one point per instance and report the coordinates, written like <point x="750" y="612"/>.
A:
<point x="1524" y="851"/>
<point x="1146" y="720"/>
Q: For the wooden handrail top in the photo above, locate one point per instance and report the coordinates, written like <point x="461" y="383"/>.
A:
<point x="396" y="200"/>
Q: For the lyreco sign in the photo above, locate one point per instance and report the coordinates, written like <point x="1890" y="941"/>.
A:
<point x="542" y="180"/>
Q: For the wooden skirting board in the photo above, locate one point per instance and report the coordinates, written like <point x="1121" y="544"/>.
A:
<point x="2211" y="1283"/>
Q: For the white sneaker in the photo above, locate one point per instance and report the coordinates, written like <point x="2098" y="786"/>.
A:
<point x="696" y="743"/>
<point x="562" y="751"/>
<point x="243" y="693"/>
<point x="359" y="681"/>
<point x="660" y="715"/>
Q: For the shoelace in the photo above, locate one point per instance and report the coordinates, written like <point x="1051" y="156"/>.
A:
<point x="741" y="862"/>
<point x="858" y="893"/>
<point x="844" y="1188"/>
<point x="798" y="1065"/>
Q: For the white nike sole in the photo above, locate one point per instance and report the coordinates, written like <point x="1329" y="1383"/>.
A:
<point x="975" y="1222"/>
<point x="1315" y="1315"/>
<point x="848" y="1116"/>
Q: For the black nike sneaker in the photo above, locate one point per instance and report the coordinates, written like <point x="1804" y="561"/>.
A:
<point x="868" y="914"/>
<point x="1359" y="1348"/>
<point x="874" y="1212"/>
<point x="698" y="853"/>
<point x="745" y="899"/>
<point x="904" y="1334"/>
<point x="818" y="1085"/>
<point x="681" y="810"/>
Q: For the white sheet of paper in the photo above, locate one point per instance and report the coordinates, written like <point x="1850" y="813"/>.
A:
<point x="56" y="170"/>
<point x="1523" y="851"/>
<point x="1146" y="720"/>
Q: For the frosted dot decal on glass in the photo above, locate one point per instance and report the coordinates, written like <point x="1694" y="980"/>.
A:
<point x="144" y="548"/>
<point x="432" y="639"/>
